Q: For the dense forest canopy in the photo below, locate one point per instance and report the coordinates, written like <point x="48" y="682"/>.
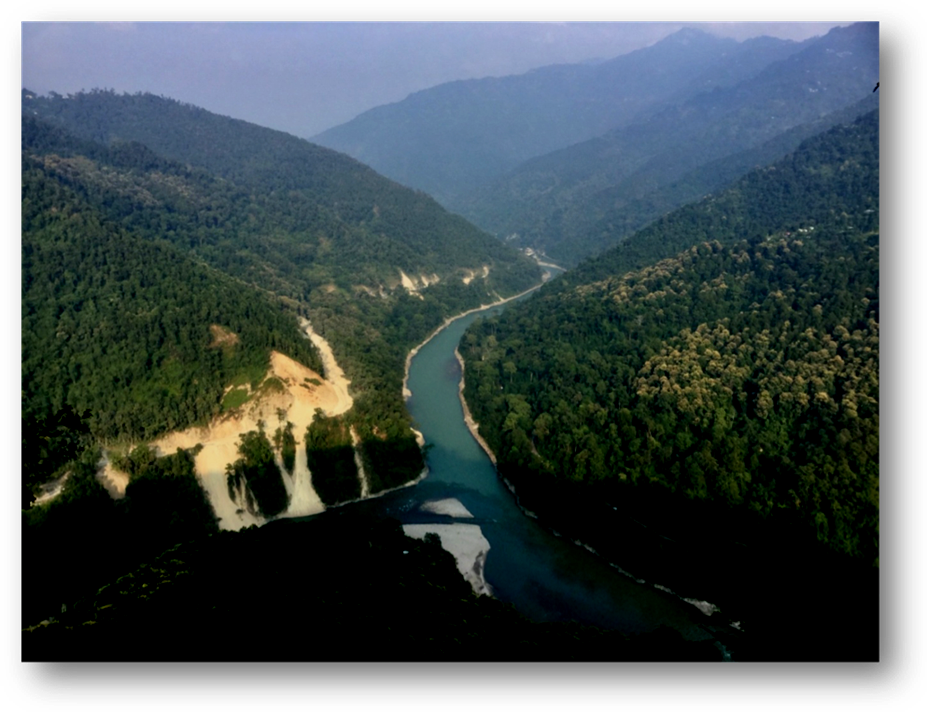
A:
<point x="168" y="222"/>
<point x="617" y="212"/>
<point x="125" y="329"/>
<point x="314" y="192"/>
<point x="331" y="460"/>
<point x="743" y="370"/>
<point x="831" y="178"/>
<point x="254" y="480"/>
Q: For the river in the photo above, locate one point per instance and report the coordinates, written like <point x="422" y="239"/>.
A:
<point x="546" y="577"/>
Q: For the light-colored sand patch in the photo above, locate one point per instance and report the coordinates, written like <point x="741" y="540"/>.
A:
<point x="369" y="291"/>
<point x="407" y="284"/>
<point x="413" y="285"/>
<point x="471" y="274"/>
<point x="466" y="543"/>
<point x="115" y="481"/>
<point x="541" y="263"/>
<point x="450" y="507"/>
<point x="359" y="464"/>
<point x="50" y="490"/>
<point x="704" y="606"/>
<point x="333" y="373"/>
<point x="472" y="425"/>
<point x="304" y="391"/>
<point x="222" y="336"/>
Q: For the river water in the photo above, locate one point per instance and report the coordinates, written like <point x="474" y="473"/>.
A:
<point x="546" y="577"/>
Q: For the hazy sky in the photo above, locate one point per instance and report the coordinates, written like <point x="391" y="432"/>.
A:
<point x="306" y="77"/>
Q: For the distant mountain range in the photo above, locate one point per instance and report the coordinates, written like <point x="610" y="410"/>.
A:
<point x="456" y="137"/>
<point x="571" y="159"/>
<point x="558" y="198"/>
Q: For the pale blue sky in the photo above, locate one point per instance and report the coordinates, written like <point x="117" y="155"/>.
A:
<point x="306" y="77"/>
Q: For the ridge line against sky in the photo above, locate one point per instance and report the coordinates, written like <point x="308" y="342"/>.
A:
<point x="305" y="77"/>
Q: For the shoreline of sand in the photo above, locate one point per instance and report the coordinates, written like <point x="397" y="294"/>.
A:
<point x="466" y="543"/>
<point x="406" y="393"/>
<point x="472" y="425"/>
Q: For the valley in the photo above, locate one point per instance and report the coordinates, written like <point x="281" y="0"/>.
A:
<point x="611" y="394"/>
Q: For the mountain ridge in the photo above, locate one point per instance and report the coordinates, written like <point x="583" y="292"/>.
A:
<point x="553" y="198"/>
<point x="437" y="139"/>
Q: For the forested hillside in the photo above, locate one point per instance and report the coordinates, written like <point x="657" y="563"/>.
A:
<point x="609" y="217"/>
<point x="454" y="138"/>
<point x="270" y="185"/>
<point x="84" y="538"/>
<point x="165" y="253"/>
<point x="128" y="332"/>
<point x="281" y="223"/>
<point x="581" y="199"/>
<point x="832" y="178"/>
<point x="730" y="389"/>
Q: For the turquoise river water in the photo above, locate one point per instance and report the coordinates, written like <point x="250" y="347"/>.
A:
<point x="546" y="577"/>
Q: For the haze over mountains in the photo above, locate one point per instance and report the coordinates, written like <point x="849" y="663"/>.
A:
<point x="455" y="137"/>
<point x="696" y="398"/>
<point x="545" y="158"/>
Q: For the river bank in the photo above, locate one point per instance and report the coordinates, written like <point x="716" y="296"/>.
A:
<point x="554" y="520"/>
<point x="769" y="591"/>
<point x="472" y="425"/>
<point x="406" y="393"/>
